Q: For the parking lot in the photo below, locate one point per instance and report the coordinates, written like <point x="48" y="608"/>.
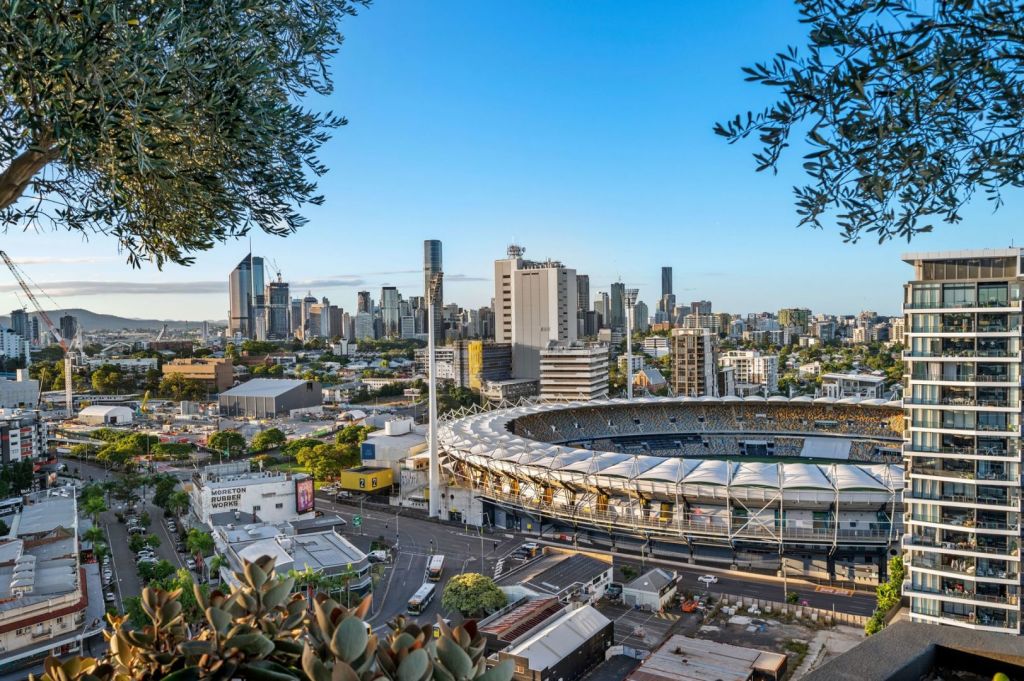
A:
<point x="640" y="628"/>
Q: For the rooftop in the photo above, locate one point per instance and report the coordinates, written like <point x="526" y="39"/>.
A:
<point x="520" y="619"/>
<point x="555" y="572"/>
<point x="700" y="660"/>
<point x="561" y="637"/>
<point x="912" y="257"/>
<point x="46" y="515"/>
<point x="265" y="387"/>
<point x="654" y="581"/>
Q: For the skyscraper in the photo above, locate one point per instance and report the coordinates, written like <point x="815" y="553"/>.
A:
<point x="535" y="303"/>
<point x="389" y="311"/>
<point x="694" y="363"/>
<point x="278" y="310"/>
<point x="20" y="325"/>
<point x="363" y="302"/>
<point x="617" y="311"/>
<point x="962" y="502"/>
<point x="582" y="293"/>
<point x="68" y="327"/>
<point x="432" y="266"/>
<point x="666" y="281"/>
<point x="245" y="296"/>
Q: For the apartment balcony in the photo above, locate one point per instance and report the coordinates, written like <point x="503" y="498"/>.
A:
<point x="961" y="402"/>
<point x="972" y="452"/>
<point x="975" y="568"/>
<point x="964" y="524"/>
<point x="988" y="305"/>
<point x="914" y="541"/>
<point x="965" y="595"/>
<point x="1010" y="502"/>
<point x="964" y="330"/>
<point x="962" y="354"/>
<point x="964" y="378"/>
<point x="969" y="621"/>
<point x="970" y="477"/>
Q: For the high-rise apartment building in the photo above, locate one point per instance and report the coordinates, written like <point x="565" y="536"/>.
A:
<point x="535" y="304"/>
<point x="602" y="307"/>
<point x="798" y="317"/>
<point x="641" y="317"/>
<point x="310" y="327"/>
<point x="700" y="307"/>
<point x="432" y="266"/>
<point x="694" y="363"/>
<point x="962" y="501"/>
<point x="617" y="311"/>
<point x="295" y="318"/>
<point x="20" y="324"/>
<point x="574" y="372"/>
<point x="364" y="327"/>
<point x="68" y="326"/>
<point x="279" y="325"/>
<point x="751" y="368"/>
<point x="246" y="297"/>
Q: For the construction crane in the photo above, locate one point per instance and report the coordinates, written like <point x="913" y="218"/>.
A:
<point x="54" y="331"/>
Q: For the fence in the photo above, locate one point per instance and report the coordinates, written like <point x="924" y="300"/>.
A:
<point x="830" y="617"/>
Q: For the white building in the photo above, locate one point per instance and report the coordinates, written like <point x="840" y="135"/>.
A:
<point x="574" y="372"/>
<point x="22" y="393"/>
<point x="399" y="439"/>
<point x="135" y="365"/>
<point x="49" y="601"/>
<point x="651" y="591"/>
<point x="14" y="346"/>
<point x="962" y="504"/>
<point x="105" y="415"/>
<point x="271" y="496"/>
<point x="852" y="384"/>
<point x="753" y="368"/>
<point x="655" y="346"/>
<point x="534" y="304"/>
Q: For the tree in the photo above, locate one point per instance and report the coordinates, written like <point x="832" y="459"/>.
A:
<point x="4" y="529"/>
<point x="94" y="534"/>
<point x="908" y="109"/>
<point x="107" y="379"/>
<point x="178" y="503"/>
<point x="158" y="570"/>
<point x="177" y="387"/>
<point x="292" y="448"/>
<point x="163" y="489"/>
<point x="148" y="122"/>
<point x="472" y="594"/>
<point x="227" y="441"/>
<point x="199" y="542"/>
<point x="268" y="439"/>
<point x="93" y="507"/>
<point x="323" y="461"/>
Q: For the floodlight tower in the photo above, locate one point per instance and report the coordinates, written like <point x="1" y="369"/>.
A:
<point x="433" y="293"/>
<point x="631" y="294"/>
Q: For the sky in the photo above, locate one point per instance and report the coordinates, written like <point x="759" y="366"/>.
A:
<point x="580" y="130"/>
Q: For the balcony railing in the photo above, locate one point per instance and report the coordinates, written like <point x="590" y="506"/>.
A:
<point x="917" y="540"/>
<point x="964" y="522"/>
<point x="966" y="567"/>
<point x="967" y="595"/>
<point x="936" y="305"/>
<point x="965" y="353"/>
<point x="969" y="451"/>
<point x="966" y="378"/>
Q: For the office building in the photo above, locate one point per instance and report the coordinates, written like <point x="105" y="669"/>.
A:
<point x="250" y="496"/>
<point x="617" y="311"/>
<point x="68" y="326"/>
<point x="432" y="264"/>
<point x="246" y="292"/>
<point x="535" y="304"/>
<point x="278" y="297"/>
<point x="700" y="307"/>
<point x="573" y="372"/>
<point x="962" y="447"/>
<point x="582" y="293"/>
<point x="389" y="311"/>
<point x="309" y="327"/>
<point x="364" y="327"/>
<point x="364" y="303"/>
<point x="694" y="363"/>
<point x="666" y="281"/>
<point x="216" y="374"/>
<point x="22" y="435"/>
<point x="641" y="317"/>
<point x="262" y="398"/>
<point x="602" y="307"/>
<point x="753" y="372"/>
<point x="295" y="318"/>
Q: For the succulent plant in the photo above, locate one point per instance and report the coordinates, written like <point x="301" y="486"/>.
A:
<point x="262" y="631"/>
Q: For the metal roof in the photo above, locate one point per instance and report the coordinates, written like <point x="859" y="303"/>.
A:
<point x="265" y="387"/>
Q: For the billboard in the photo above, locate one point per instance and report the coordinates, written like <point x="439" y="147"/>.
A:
<point x="367" y="451"/>
<point x="304" y="495"/>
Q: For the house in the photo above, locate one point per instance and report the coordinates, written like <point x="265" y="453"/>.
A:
<point x="649" y="379"/>
<point x="651" y="591"/>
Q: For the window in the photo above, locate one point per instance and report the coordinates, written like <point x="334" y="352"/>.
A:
<point x="255" y="508"/>
<point x="278" y="505"/>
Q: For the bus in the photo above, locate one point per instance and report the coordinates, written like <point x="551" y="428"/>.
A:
<point x="421" y="599"/>
<point x="435" y="566"/>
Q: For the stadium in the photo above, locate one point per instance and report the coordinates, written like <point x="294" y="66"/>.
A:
<point x="812" y="485"/>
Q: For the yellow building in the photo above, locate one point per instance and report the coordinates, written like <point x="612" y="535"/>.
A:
<point x="217" y="374"/>
<point x="366" y="479"/>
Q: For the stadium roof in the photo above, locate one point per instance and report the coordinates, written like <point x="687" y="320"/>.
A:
<point x="265" y="387"/>
<point x="485" y="440"/>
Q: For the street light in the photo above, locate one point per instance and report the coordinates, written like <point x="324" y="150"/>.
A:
<point x="435" y="468"/>
<point x="631" y="294"/>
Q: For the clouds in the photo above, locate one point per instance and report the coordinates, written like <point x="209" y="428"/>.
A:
<point x="108" y="288"/>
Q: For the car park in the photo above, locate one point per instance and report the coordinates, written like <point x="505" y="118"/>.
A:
<point x="707" y="580"/>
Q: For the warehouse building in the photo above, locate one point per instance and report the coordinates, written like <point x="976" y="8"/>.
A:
<point x="565" y="649"/>
<point x="692" y="659"/>
<point x="105" y="415"/>
<point x="651" y="591"/>
<point x="268" y="397"/>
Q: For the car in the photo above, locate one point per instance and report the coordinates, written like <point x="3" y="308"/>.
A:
<point x="179" y="547"/>
<point x="530" y="546"/>
<point x="107" y="575"/>
<point x="190" y="564"/>
<point x="377" y="556"/>
<point x="613" y="592"/>
<point x="145" y="553"/>
<point x="109" y="597"/>
<point x="136" y="530"/>
<point x="707" y="580"/>
<point x="147" y="559"/>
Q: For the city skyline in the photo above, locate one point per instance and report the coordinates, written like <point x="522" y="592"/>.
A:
<point x="533" y="170"/>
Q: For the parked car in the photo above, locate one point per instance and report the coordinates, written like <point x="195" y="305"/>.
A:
<point x="179" y="547"/>
<point x="613" y="592"/>
<point x="109" y="597"/>
<point x="147" y="559"/>
<point x="377" y="556"/>
<point x="107" y="575"/>
<point x="190" y="564"/>
<point x="707" y="580"/>
<point x="135" y="529"/>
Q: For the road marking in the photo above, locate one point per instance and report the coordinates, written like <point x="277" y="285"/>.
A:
<point x="834" y="590"/>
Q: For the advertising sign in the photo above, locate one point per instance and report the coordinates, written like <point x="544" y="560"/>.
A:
<point x="304" y="495"/>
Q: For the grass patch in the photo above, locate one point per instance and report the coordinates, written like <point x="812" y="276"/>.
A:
<point x="798" y="651"/>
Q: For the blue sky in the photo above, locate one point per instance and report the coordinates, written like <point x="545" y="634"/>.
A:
<point x="581" y="130"/>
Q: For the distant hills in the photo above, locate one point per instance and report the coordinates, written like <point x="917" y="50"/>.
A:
<point x="95" y="321"/>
